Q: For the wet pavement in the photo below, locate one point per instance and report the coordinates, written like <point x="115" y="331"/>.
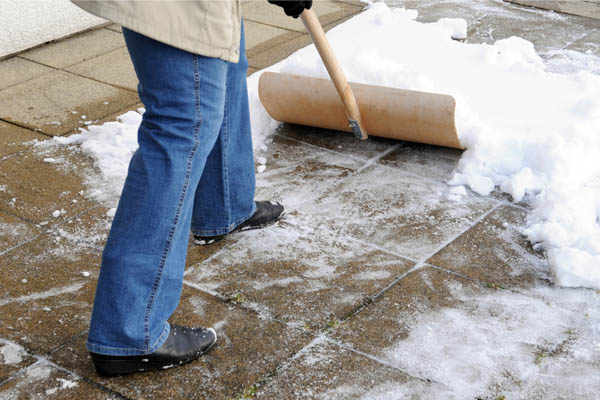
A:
<point x="377" y="284"/>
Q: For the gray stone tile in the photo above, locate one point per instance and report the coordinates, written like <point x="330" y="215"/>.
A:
<point x="47" y="103"/>
<point x="277" y="53"/>
<point x="324" y="277"/>
<point x="76" y="49"/>
<point x="476" y="342"/>
<point x="326" y="371"/>
<point x="589" y="8"/>
<point x="43" y="380"/>
<point x="55" y="262"/>
<point x="589" y="44"/>
<point x="248" y="348"/>
<point x="432" y="162"/>
<point x="404" y="213"/>
<point x="115" y="28"/>
<point x="340" y="142"/>
<point x="17" y="70"/>
<point x="14" y="231"/>
<point x="263" y="12"/>
<point x="260" y="37"/>
<point x="494" y="251"/>
<point x="33" y="189"/>
<point x="114" y="68"/>
<point x="299" y="175"/>
<point x="43" y="325"/>
<point x="490" y="20"/>
<point x="14" y="139"/>
<point x="13" y="357"/>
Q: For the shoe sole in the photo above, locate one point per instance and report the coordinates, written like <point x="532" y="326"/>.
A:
<point x="110" y="368"/>
<point x="215" y="239"/>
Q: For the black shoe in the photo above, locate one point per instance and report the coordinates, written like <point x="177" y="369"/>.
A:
<point x="267" y="213"/>
<point x="183" y="345"/>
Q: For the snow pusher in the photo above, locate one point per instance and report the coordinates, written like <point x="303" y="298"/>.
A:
<point x="376" y="110"/>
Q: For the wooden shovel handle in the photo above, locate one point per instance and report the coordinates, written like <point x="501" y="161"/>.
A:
<point x="314" y="28"/>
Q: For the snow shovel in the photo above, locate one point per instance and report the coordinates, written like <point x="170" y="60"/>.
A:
<point x="387" y="112"/>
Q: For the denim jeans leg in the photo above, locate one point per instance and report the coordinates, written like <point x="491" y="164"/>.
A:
<point x="144" y="258"/>
<point x="225" y="195"/>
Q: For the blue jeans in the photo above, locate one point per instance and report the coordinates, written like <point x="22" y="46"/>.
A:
<point x="193" y="170"/>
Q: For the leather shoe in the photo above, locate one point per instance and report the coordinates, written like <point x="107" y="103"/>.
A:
<point x="267" y="213"/>
<point x="182" y="345"/>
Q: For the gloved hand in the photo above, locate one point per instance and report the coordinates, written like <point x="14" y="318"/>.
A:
<point x="292" y="8"/>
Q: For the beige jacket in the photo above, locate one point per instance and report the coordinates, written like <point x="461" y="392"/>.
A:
<point x="211" y="28"/>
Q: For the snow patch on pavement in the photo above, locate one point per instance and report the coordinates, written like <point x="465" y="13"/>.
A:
<point x="11" y="353"/>
<point x="509" y="344"/>
<point x="529" y="132"/>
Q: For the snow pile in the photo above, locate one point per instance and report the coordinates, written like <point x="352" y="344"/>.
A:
<point x="111" y="145"/>
<point x="530" y="133"/>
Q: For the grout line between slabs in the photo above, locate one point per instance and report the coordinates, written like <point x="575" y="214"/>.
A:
<point x="322" y="149"/>
<point x="373" y="160"/>
<point x="376" y="359"/>
<point x="42" y="359"/>
<point x="47" y="231"/>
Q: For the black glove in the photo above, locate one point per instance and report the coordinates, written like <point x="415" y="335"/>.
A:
<point x="292" y="8"/>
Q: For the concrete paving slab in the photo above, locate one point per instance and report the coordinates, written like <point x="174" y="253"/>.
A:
<point x="114" y="68"/>
<point x="476" y="342"/>
<point x="115" y="28"/>
<point x="275" y="54"/>
<point x="357" y="3"/>
<point x="340" y="142"/>
<point x="55" y="185"/>
<point x="248" y="348"/>
<point x="324" y="370"/>
<point x="14" y="231"/>
<point x="43" y="380"/>
<point x="14" y="139"/>
<point x="490" y="20"/>
<point x="48" y="289"/>
<point x="494" y="251"/>
<point x="12" y="359"/>
<point x="431" y="162"/>
<point x="60" y="261"/>
<point x="589" y="44"/>
<point x="585" y="8"/>
<point x="17" y="70"/>
<point x="333" y="277"/>
<point x="48" y="103"/>
<point x="299" y="175"/>
<point x="327" y="12"/>
<point x="403" y="213"/>
<point x="261" y="37"/>
<point x="76" y="49"/>
<point x="43" y="325"/>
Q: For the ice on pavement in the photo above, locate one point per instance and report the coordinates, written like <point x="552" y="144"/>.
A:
<point x="529" y="132"/>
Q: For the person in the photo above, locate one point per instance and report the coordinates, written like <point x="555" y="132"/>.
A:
<point x="193" y="171"/>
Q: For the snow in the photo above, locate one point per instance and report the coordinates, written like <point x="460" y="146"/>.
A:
<point x="529" y="131"/>
<point x="11" y="353"/>
<point x="512" y="343"/>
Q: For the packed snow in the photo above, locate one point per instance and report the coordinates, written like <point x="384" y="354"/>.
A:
<point x="529" y="132"/>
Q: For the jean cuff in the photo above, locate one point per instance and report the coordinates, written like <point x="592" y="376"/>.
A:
<point x="226" y="230"/>
<point x="126" y="351"/>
